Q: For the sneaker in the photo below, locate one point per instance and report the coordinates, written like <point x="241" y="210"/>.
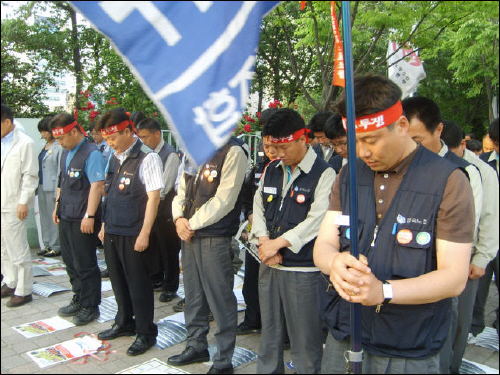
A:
<point x="52" y="253"/>
<point x="179" y="306"/>
<point x="44" y="251"/>
<point x="245" y="329"/>
<point x="72" y="309"/>
<point x="86" y="315"/>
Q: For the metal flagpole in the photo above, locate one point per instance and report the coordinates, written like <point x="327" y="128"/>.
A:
<point x="355" y="355"/>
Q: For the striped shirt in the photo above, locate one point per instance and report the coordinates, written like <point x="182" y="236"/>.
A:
<point x="150" y="171"/>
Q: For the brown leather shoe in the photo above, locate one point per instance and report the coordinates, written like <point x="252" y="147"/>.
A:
<point x="6" y="291"/>
<point x="16" y="301"/>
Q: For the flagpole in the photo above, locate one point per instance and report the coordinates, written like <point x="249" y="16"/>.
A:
<point x="355" y="355"/>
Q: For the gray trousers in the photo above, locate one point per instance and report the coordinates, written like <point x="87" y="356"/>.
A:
<point x="334" y="363"/>
<point x="208" y="285"/>
<point x="291" y="297"/>
<point x="450" y="357"/>
<point x="50" y="231"/>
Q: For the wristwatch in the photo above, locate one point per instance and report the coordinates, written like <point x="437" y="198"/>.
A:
<point x="387" y="291"/>
<point x="87" y="216"/>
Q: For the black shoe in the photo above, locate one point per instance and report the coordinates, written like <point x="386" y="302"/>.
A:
<point x="86" y="315"/>
<point x="167" y="296"/>
<point x="72" y="309"/>
<point x="179" y="306"/>
<point x="245" y="329"/>
<point x="141" y="345"/>
<point x="188" y="356"/>
<point x="114" y="332"/>
<point x="52" y="253"/>
<point x="44" y="251"/>
<point x="215" y="370"/>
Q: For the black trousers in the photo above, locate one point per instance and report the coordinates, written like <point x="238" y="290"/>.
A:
<point x="164" y="246"/>
<point x="79" y="254"/>
<point x="478" y="322"/>
<point x="131" y="284"/>
<point x="251" y="291"/>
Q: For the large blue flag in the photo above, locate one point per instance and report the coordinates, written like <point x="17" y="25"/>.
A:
<point x="194" y="59"/>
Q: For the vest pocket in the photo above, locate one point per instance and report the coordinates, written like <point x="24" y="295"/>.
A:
<point x="412" y="256"/>
<point x="402" y="327"/>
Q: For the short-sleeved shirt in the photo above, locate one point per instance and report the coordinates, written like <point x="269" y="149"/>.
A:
<point x="94" y="165"/>
<point x="457" y="205"/>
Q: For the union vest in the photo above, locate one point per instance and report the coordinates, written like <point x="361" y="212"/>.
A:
<point x="285" y="213"/>
<point x="165" y="205"/>
<point x="74" y="184"/>
<point x="126" y="197"/>
<point x="203" y="186"/>
<point x="401" y="247"/>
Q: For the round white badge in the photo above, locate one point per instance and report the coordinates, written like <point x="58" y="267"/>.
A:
<point x="301" y="198"/>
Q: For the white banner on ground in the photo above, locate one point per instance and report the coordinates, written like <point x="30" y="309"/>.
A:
<point x="405" y="68"/>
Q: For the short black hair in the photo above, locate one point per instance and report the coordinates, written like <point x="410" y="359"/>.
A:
<point x="43" y="124"/>
<point x="424" y="109"/>
<point x="137" y="117"/>
<point x="7" y="113"/>
<point x="317" y="122"/>
<point x="113" y="117"/>
<point x="452" y="134"/>
<point x="474" y="145"/>
<point x="62" y="119"/>
<point x="492" y="131"/>
<point x="372" y="94"/>
<point x="334" y="128"/>
<point x="149" y="124"/>
<point x="284" y="122"/>
<point x="264" y="118"/>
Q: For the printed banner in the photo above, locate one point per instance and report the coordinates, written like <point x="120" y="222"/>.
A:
<point x="408" y="71"/>
<point x="42" y="327"/>
<point x="194" y="59"/>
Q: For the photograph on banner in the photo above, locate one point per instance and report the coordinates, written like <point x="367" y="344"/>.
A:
<point x="64" y="351"/>
<point x="42" y="327"/>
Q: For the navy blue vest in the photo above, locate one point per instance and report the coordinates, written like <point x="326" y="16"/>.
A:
<point x="200" y="188"/>
<point x="74" y="184"/>
<point x="126" y="197"/>
<point x="404" y="247"/>
<point x="283" y="216"/>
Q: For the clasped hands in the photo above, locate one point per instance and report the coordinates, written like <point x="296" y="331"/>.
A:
<point x="269" y="251"/>
<point x="354" y="281"/>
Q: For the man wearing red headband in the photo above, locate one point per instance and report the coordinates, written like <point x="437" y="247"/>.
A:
<point x="287" y="211"/>
<point x="414" y="240"/>
<point x="132" y="191"/>
<point x="77" y="213"/>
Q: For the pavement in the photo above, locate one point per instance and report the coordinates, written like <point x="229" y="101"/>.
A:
<point x="14" y="346"/>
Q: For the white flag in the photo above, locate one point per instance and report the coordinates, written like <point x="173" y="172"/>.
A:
<point x="407" y="72"/>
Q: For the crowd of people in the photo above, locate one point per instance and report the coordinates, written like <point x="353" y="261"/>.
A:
<point x="428" y="199"/>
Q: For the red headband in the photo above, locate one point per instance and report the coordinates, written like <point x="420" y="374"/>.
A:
<point x="57" y="132"/>
<point x="117" y="128"/>
<point x="291" y="137"/>
<point x="377" y="120"/>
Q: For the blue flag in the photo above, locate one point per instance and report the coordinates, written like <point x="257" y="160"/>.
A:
<point x="194" y="59"/>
